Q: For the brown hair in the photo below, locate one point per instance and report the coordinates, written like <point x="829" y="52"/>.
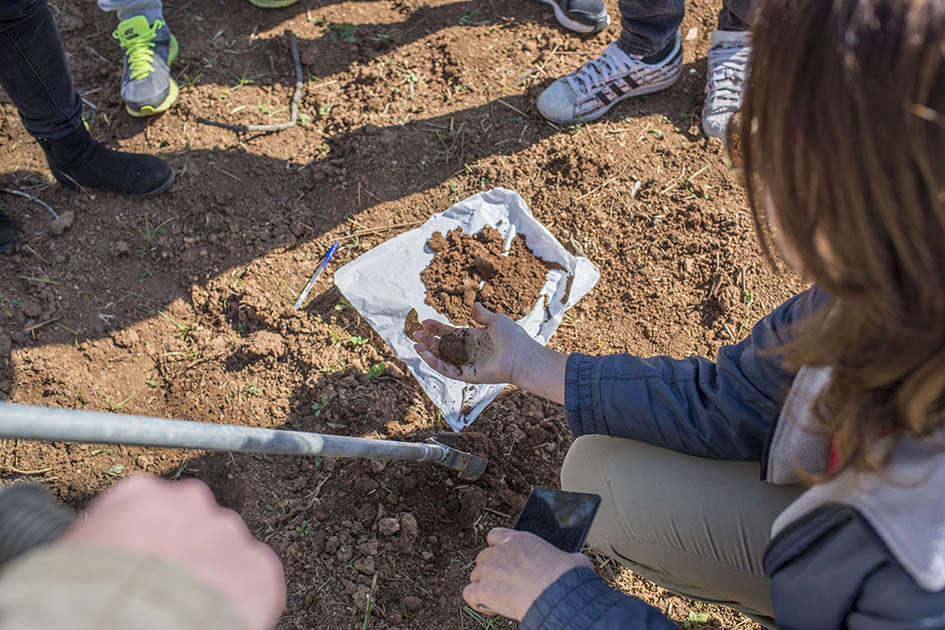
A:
<point x="844" y="141"/>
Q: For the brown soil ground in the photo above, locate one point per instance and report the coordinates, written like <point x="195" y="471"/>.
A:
<point x="510" y="283"/>
<point x="181" y="306"/>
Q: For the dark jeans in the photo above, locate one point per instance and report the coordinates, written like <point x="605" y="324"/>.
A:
<point x="34" y="72"/>
<point x="650" y="25"/>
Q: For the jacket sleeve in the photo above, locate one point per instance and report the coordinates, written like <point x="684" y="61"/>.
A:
<point x="720" y="410"/>
<point x="579" y="600"/>
<point x="28" y="519"/>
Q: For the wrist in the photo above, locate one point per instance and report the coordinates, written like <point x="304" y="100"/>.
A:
<point x="541" y="371"/>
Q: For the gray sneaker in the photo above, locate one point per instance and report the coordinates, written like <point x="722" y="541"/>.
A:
<point x="725" y="85"/>
<point x="146" y="84"/>
<point x="580" y="16"/>
<point x="601" y="83"/>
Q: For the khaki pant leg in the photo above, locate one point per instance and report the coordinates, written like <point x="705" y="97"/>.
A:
<point x="698" y="527"/>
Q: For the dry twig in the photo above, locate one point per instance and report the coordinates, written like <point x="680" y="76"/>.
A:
<point x="20" y="193"/>
<point x="383" y="228"/>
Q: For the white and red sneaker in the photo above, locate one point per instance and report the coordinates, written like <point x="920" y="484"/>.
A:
<point x="601" y="83"/>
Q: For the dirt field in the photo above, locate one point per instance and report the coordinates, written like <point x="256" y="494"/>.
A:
<point x="181" y="306"/>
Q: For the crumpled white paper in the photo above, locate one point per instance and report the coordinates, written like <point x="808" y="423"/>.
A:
<point x="384" y="284"/>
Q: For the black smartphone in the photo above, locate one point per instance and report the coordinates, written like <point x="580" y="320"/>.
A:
<point x="562" y="518"/>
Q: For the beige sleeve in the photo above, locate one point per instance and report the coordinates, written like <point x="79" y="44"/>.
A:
<point x="86" y="587"/>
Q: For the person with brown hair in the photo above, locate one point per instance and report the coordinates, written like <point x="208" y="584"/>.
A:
<point x="839" y="393"/>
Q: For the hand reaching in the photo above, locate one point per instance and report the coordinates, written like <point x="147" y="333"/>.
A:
<point x="180" y="522"/>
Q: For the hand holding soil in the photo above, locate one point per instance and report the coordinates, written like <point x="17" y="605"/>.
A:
<point x="502" y="352"/>
<point x="474" y="355"/>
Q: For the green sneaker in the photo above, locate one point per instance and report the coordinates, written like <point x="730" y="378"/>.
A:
<point x="271" y="4"/>
<point x="146" y="84"/>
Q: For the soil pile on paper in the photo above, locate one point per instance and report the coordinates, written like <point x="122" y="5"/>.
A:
<point x="469" y="268"/>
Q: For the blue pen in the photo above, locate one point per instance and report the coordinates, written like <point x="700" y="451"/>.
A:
<point x="318" y="272"/>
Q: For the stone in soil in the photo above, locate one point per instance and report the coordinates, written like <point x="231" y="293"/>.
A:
<point x="469" y="268"/>
<point x="388" y="526"/>
<point x="63" y="223"/>
<point x="452" y="348"/>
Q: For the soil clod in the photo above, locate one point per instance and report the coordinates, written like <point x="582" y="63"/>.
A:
<point x="453" y="349"/>
<point x="412" y="323"/>
<point x="437" y="242"/>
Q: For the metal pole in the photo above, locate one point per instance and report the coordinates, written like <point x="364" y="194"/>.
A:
<point x="72" y="425"/>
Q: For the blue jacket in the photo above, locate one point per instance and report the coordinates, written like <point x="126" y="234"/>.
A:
<point x="829" y="570"/>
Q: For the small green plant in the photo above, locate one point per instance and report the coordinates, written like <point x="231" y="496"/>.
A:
<point x="119" y="405"/>
<point x="341" y="31"/>
<point x="115" y="470"/>
<point x="378" y="369"/>
<point x="269" y="111"/>
<point x="188" y="81"/>
<point x="319" y="407"/>
<point x="358" y="341"/>
<point x="468" y="16"/>
<point x="695" y="619"/>
<point x="335" y="336"/>
<point x="656" y="133"/>
<point x="342" y="305"/>
<point x="367" y="613"/>
<point x="380" y="38"/>
<point x="305" y="530"/>
<point x="149" y="233"/>
<point x="253" y="388"/>
<point x="304" y="119"/>
<point x="241" y="81"/>
<point x="324" y="109"/>
<point x="151" y="382"/>
<point x="483" y="622"/>
<point x="410" y="76"/>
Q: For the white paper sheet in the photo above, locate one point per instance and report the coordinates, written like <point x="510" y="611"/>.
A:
<point x="384" y="284"/>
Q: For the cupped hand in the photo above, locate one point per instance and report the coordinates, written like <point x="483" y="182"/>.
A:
<point x="182" y="523"/>
<point x="514" y="570"/>
<point x="495" y="352"/>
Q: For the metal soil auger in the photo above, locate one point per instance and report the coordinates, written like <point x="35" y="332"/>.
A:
<point x="69" y="425"/>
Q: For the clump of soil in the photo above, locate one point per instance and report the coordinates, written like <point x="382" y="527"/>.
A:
<point x="474" y="268"/>
<point x="437" y="243"/>
<point x="453" y="349"/>
<point x="412" y="323"/>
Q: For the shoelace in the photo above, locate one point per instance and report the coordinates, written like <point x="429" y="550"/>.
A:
<point x="139" y="50"/>
<point x="609" y="63"/>
<point x="728" y="73"/>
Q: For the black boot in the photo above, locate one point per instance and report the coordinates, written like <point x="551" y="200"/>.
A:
<point x="78" y="160"/>
<point x="7" y="231"/>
